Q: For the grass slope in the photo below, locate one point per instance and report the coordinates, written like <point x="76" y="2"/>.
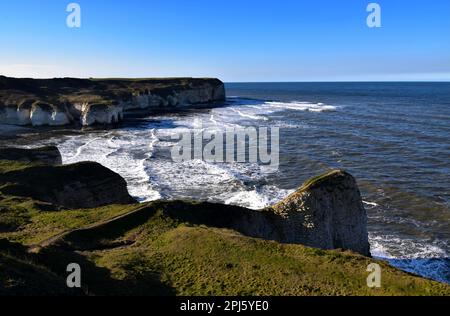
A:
<point x="153" y="249"/>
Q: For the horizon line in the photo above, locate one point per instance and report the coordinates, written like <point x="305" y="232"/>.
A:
<point x="346" y="81"/>
<point x="232" y="81"/>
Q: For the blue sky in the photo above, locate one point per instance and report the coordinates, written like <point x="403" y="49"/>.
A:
<point x="235" y="40"/>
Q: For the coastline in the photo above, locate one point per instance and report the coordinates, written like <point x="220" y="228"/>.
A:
<point x="256" y="111"/>
<point x="89" y="102"/>
<point x="172" y="230"/>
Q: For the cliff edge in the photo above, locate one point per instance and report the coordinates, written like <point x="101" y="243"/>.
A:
<point x="52" y="215"/>
<point x="64" y="101"/>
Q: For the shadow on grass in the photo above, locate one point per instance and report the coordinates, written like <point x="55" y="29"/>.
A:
<point x="45" y="273"/>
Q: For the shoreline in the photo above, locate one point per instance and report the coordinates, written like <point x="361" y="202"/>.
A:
<point x="413" y="265"/>
<point x="204" y="224"/>
<point x="89" y="102"/>
<point x="252" y="114"/>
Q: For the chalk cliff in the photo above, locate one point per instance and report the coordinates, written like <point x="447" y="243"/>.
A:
<point x="326" y="212"/>
<point x="58" y="102"/>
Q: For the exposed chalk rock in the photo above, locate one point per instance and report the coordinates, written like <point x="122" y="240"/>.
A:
<point x="24" y="112"/>
<point x="195" y="96"/>
<point x="47" y="114"/>
<point x="9" y="114"/>
<point x="101" y="114"/>
<point x="219" y="93"/>
<point x="140" y="101"/>
<point x="172" y="100"/>
<point x="57" y="102"/>
<point x="327" y="212"/>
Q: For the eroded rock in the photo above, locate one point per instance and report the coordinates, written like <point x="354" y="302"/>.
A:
<point x="101" y="114"/>
<point x="327" y="213"/>
<point x="58" y="102"/>
<point x="81" y="185"/>
<point x="49" y="155"/>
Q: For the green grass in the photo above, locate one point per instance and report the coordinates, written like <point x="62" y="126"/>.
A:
<point x="73" y="90"/>
<point x="7" y="165"/>
<point x="318" y="179"/>
<point x="165" y="256"/>
<point x="37" y="226"/>
<point x="162" y="248"/>
<point x="195" y="260"/>
<point x="20" y="276"/>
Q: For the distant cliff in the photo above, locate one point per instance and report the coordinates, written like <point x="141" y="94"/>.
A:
<point x="64" y="101"/>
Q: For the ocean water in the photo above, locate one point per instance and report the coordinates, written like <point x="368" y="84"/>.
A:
<point x="393" y="137"/>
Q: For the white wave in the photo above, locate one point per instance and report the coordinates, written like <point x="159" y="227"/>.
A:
<point x="256" y="199"/>
<point x="372" y="204"/>
<point x="153" y="141"/>
<point x="415" y="256"/>
<point x="131" y="153"/>
<point x="123" y="152"/>
<point x="249" y="115"/>
<point x="302" y="106"/>
<point x="393" y="247"/>
<point x="213" y="120"/>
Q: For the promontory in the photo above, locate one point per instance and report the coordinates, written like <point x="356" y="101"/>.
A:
<point x="65" y="101"/>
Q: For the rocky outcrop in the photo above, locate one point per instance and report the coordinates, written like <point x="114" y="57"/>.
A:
<point x="49" y="155"/>
<point x="99" y="113"/>
<point x="43" y="113"/>
<point x="35" y="113"/>
<point x="327" y="213"/>
<point x="82" y="185"/>
<point x="58" y="102"/>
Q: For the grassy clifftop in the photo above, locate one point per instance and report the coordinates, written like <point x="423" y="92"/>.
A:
<point x="61" y="90"/>
<point x="171" y="248"/>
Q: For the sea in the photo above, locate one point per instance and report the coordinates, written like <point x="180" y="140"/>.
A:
<point x="393" y="137"/>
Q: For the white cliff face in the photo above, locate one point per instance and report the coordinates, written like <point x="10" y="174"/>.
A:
<point x="219" y="93"/>
<point x="140" y="101"/>
<point x="101" y="114"/>
<point x="59" y="119"/>
<point x="203" y="94"/>
<point x="10" y="115"/>
<point x="195" y="96"/>
<point x="23" y="116"/>
<point x="45" y="114"/>
<point x="39" y="113"/>
<point x="148" y="101"/>
<point x="39" y="116"/>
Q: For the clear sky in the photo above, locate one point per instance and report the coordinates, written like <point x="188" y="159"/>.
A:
<point x="235" y="40"/>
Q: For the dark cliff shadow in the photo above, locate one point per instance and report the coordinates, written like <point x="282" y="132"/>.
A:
<point x="98" y="281"/>
<point x="44" y="274"/>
